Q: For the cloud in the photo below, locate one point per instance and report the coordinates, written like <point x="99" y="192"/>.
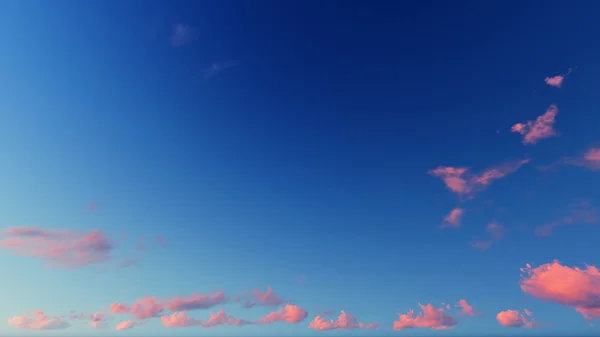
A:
<point x="495" y="232"/>
<point x="125" y="325"/>
<point x="430" y="318"/>
<point x="217" y="67"/>
<point x="269" y="299"/>
<point x="464" y="183"/>
<point x="345" y="321"/>
<point x="289" y="313"/>
<point x="178" y="319"/>
<point x="98" y="320"/>
<point x="61" y="248"/>
<point x="568" y="286"/>
<point x="181" y="34"/>
<point x="221" y="318"/>
<point x="453" y="218"/>
<point x="119" y="308"/>
<point x="466" y="309"/>
<point x="557" y="81"/>
<point x="590" y="160"/>
<point x="302" y="279"/>
<point x="38" y="321"/>
<point x="582" y="212"/>
<point x="515" y="319"/>
<point x="197" y="301"/>
<point x="541" y="128"/>
<point x="147" y="307"/>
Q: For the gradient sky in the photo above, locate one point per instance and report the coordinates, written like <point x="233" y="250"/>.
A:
<point x="358" y="157"/>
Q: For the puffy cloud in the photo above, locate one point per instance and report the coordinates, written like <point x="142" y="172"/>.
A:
<point x="38" y="321"/>
<point x="568" y="286"/>
<point x="289" y="313"/>
<point x="430" y="318"/>
<point x="98" y="320"/>
<point x="515" y="319"/>
<point x="345" y="321"/>
<point x="125" y="325"/>
<point x="453" y="218"/>
<point x="147" y="307"/>
<point x="119" y="308"/>
<point x="178" y="319"/>
<point x="268" y="298"/>
<point x="197" y="301"/>
<point x="541" y="128"/>
<point x="555" y="81"/>
<point x="60" y="248"/>
<point x="466" y="309"/>
<point x="221" y="318"/>
<point x="464" y="183"/>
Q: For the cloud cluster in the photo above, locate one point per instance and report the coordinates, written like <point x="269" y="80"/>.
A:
<point x="345" y="321"/>
<point x="541" y="128"/>
<point x="289" y="313"/>
<point x="516" y="319"/>
<point x="38" y="321"/>
<point x="568" y="286"/>
<point x="430" y="318"/>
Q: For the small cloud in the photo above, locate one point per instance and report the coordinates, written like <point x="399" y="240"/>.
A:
<point x="481" y="244"/>
<point x="125" y="325"/>
<point x="268" y="299"/>
<point x="453" y="218"/>
<point x="147" y="307"/>
<point x="431" y="318"/>
<point x="541" y="128"/>
<point x="345" y="321"/>
<point x="464" y="183"/>
<point x="221" y="318"/>
<point x="567" y="286"/>
<point x="289" y="313"/>
<point x="557" y="81"/>
<point x="181" y="34"/>
<point x="515" y="319"/>
<point x="197" y="301"/>
<point x="590" y="160"/>
<point x="495" y="232"/>
<point x="582" y="212"/>
<point x="98" y="320"/>
<point x="217" y="67"/>
<point x="179" y="319"/>
<point x="38" y="321"/>
<point x="466" y="309"/>
<point x="119" y="308"/>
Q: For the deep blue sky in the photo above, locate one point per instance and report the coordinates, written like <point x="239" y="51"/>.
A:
<point x="309" y="157"/>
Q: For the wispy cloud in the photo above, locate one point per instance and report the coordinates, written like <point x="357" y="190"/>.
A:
<point x="495" y="232"/>
<point x="181" y="34"/>
<point x="217" y="67"/>
<point x="38" y="321"/>
<point x="464" y="183"/>
<point x="345" y="321"/>
<point x="147" y="307"/>
<point x="568" y="286"/>
<point x="541" y="128"/>
<point x="590" y="160"/>
<point x="515" y="319"/>
<point x="268" y="298"/>
<point x="453" y="218"/>
<point x="125" y="325"/>
<point x="581" y="212"/>
<point x="197" y="301"/>
<point x="430" y="318"/>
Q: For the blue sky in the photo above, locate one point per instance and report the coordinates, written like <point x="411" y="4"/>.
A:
<point x="308" y="156"/>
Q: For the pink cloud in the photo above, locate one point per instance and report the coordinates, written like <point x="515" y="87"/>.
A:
<point x="119" y="308"/>
<point x="464" y="183"/>
<point x="541" y="128"/>
<point x="289" y="313"/>
<point x="572" y="287"/>
<point x="61" y="248"/>
<point x="514" y="319"/>
<point x="555" y="81"/>
<point x="221" y="318"/>
<point x="345" y="321"/>
<point x="179" y="319"/>
<point x="197" y="301"/>
<point x="268" y="298"/>
<point x="590" y="160"/>
<point x="466" y="309"/>
<point x="98" y="320"/>
<point x="147" y="307"/>
<point x="481" y="244"/>
<point x="38" y="321"/>
<point x="453" y="218"/>
<point x="495" y="230"/>
<point x="430" y="318"/>
<point x="125" y="325"/>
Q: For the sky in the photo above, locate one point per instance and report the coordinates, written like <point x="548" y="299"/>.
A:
<point x="299" y="168"/>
